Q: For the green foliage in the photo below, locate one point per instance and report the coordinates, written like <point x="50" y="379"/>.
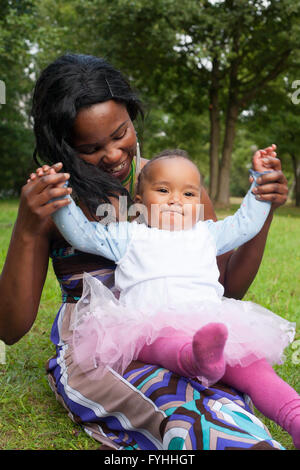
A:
<point x="16" y="139"/>
<point x="241" y="162"/>
<point x="167" y="48"/>
<point x="276" y="117"/>
<point x="190" y="132"/>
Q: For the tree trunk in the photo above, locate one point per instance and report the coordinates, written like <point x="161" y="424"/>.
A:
<point x="296" y="167"/>
<point x="224" y="174"/>
<point x="214" y="113"/>
<point x="222" y="199"/>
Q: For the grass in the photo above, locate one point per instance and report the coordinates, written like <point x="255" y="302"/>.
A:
<point x="30" y="417"/>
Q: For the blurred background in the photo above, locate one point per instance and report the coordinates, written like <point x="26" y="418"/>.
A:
<point x="217" y="78"/>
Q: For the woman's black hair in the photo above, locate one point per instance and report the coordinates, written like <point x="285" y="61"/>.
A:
<point x="73" y="82"/>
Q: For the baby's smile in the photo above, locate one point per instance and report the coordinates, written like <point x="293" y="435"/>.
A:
<point x="172" y="209"/>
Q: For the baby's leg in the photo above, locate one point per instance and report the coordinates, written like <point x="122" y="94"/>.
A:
<point x="170" y="352"/>
<point x="201" y="355"/>
<point x="270" y="394"/>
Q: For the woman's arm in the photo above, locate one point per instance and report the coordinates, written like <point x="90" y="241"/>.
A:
<point x="24" y="272"/>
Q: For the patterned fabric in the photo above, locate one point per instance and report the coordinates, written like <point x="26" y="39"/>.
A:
<point x="215" y="418"/>
<point x="149" y="408"/>
<point x="68" y="265"/>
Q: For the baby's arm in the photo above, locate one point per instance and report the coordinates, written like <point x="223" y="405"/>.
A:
<point x="248" y="221"/>
<point x="91" y="237"/>
<point x="241" y="227"/>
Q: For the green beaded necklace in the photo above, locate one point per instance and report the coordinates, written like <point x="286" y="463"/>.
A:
<point x="130" y="177"/>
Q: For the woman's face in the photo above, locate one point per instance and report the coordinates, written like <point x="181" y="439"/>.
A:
<point x="105" y="137"/>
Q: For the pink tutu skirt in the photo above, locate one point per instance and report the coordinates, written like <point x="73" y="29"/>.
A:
<point x="107" y="334"/>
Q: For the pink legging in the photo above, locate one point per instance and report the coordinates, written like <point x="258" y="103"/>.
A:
<point x="270" y="394"/>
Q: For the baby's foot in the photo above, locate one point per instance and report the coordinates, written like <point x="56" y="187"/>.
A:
<point x="208" y="349"/>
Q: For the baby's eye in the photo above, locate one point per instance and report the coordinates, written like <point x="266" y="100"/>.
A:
<point x="162" y="190"/>
<point x="189" y="194"/>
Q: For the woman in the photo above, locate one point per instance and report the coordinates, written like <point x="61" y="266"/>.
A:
<point x="83" y="112"/>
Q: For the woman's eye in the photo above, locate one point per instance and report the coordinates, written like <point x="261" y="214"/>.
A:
<point x="89" y="151"/>
<point x="120" y="136"/>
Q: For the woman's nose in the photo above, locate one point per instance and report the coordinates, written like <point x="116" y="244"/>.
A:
<point x="112" y="155"/>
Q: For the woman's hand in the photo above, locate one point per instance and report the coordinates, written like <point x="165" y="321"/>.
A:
<point x="271" y="186"/>
<point x="35" y="207"/>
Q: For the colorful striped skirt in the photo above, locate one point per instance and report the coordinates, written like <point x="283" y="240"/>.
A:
<point x="151" y="408"/>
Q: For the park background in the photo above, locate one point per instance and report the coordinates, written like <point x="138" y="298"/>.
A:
<point x="218" y="79"/>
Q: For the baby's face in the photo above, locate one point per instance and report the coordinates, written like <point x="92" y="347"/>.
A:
<point x="171" y="194"/>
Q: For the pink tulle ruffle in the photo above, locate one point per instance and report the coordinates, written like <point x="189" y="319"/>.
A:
<point x="108" y="334"/>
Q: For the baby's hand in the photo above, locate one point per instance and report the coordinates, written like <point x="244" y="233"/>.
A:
<point x="46" y="170"/>
<point x="264" y="160"/>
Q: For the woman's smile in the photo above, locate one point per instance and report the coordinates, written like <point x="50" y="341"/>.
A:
<point x="105" y="137"/>
<point x="120" y="170"/>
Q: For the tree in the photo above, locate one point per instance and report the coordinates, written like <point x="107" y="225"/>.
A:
<point x="16" y="140"/>
<point x="257" y="50"/>
<point x="77" y="30"/>
<point x="191" y="60"/>
<point x="276" y="116"/>
<point x="195" y="55"/>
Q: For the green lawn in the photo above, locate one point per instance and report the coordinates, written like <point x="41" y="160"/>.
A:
<point x="30" y="417"/>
